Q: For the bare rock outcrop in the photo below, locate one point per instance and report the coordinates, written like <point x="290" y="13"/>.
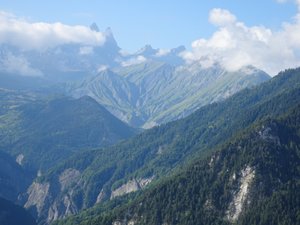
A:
<point x="37" y="194"/>
<point x="241" y="195"/>
<point x="131" y="186"/>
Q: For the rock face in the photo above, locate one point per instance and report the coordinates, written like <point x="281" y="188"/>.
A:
<point x="131" y="186"/>
<point x="62" y="208"/>
<point x="48" y="208"/>
<point x="241" y="196"/>
<point x="269" y="133"/>
<point x="19" y="159"/>
<point x="130" y="222"/>
<point x="101" y="196"/>
<point x="64" y="205"/>
<point x="37" y="194"/>
<point x="68" y="178"/>
<point x="54" y="200"/>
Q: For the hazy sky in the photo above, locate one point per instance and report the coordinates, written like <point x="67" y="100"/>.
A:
<point x="161" y="23"/>
<point x="232" y="33"/>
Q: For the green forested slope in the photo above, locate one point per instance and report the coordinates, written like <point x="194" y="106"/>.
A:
<point x="14" y="180"/>
<point x="11" y="214"/>
<point x="158" y="151"/>
<point x="203" y="194"/>
<point x="254" y="178"/>
<point x="45" y="131"/>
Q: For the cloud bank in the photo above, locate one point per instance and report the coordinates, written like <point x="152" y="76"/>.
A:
<point x="19" y="65"/>
<point x="41" y="36"/>
<point x="235" y="45"/>
<point x="134" y="61"/>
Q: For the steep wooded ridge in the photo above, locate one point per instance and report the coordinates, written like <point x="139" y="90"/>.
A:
<point x="14" y="180"/>
<point x="252" y="179"/>
<point x="156" y="92"/>
<point x="40" y="132"/>
<point x="11" y="214"/>
<point x="104" y="174"/>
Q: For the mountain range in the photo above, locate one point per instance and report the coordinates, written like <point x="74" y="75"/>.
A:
<point x="99" y="175"/>
<point x="97" y="135"/>
<point x="146" y="88"/>
<point x="69" y="62"/>
<point x="153" y="93"/>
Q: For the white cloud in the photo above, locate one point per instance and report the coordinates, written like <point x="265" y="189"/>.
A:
<point x="19" y="65"/>
<point x="221" y="17"/>
<point x="124" y="52"/>
<point x="298" y="4"/>
<point x="86" y="50"/>
<point x="235" y="45"/>
<point x="134" y="61"/>
<point x="102" y="68"/>
<point x="162" y="52"/>
<point x="40" y="36"/>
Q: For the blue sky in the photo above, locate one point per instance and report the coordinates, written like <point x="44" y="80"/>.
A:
<point x="161" y="23"/>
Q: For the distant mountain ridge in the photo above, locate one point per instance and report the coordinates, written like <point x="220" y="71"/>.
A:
<point x="45" y="131"/>
<point x="149" y="87"/>
<point x="154" y="92"/>
<point x="69" y="62"/>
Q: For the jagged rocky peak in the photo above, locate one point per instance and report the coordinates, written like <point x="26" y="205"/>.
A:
<point x="108" y="32"/>
<point x="179" y="49"/>
<point x="94" y="27"/>
<point x="110" y="39"/>
<point x="111" y="43"/>
<point x="147" y="50"/>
